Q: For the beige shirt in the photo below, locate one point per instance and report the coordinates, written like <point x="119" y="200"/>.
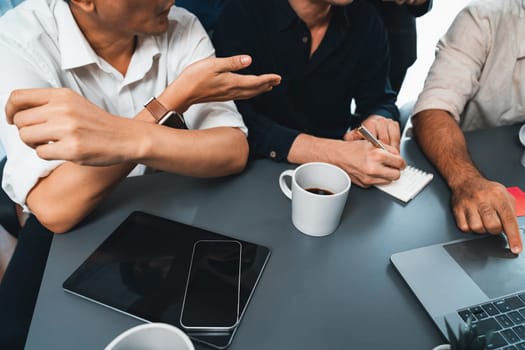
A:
<point x="479" y="72"/>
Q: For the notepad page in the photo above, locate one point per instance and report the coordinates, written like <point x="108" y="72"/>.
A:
<point x="411" y="182"/>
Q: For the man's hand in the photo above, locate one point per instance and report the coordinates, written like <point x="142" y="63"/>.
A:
<point x="212" y="79"/>
<point x="411" y="2"/>
<point x="484" y="206"/>
<point x="60" y="124"/>
<point x="368" y="165"/>
<point x="386" y="130"/>
<point x="365" y="164"/>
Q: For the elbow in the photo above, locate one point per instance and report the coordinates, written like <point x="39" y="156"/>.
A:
<point x="228" y="157"/>
<point x="56" y="221"/>
<point x="55" y="226"/>
<point x="240" y="158"/>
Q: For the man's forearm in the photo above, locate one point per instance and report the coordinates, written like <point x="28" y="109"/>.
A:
<point x="63" y="198"/>
<point x="443" y="142"/>
<point x="71" y="191"/>
<point x="307" y="148"/>
<point x="200" y="153"/>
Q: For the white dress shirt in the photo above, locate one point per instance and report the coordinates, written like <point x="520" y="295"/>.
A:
<point x="478" y="75"/>
<point x="42" y="46"/>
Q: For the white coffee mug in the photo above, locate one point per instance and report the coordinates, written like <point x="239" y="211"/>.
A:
<point x="318" y="194"/>
<point x="151" y="336"/>
<point x="522" y="140"/>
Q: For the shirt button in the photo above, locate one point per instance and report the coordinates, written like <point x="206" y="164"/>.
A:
<point x="305" y="39"/>
<point x="273" y="154"/>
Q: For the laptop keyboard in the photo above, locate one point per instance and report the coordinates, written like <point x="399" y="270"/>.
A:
<point x="505" y="317"/>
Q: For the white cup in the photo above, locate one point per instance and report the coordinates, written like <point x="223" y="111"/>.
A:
<point x="522" y="140"/>
<point x="151" y="336"/>
<point x="316" y="214"/>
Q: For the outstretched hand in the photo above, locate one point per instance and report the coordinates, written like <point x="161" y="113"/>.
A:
<point x="212" y="79"/>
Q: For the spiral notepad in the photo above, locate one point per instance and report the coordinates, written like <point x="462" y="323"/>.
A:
<point x="411" y="182"/>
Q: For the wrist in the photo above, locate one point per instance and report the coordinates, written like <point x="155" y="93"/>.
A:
<point x="308" y="148"/>
<point x="177" y="96"/>
<point x="163" y="115"/>
<point x="462" y="178"/>
<point x="128" y="140"/>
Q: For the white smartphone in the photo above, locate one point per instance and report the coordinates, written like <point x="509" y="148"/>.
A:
<point x="212" y="295"/>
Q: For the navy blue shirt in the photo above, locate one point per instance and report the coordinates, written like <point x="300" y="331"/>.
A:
<point x="352" y="62"/>
<point x="207" y="11"/>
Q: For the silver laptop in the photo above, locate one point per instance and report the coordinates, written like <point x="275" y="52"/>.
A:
<point x="477" y="277"/>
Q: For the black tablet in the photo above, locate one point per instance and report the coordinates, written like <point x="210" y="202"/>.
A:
<point x="142" y="269"/>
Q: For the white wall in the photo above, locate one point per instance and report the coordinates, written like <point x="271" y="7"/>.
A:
<point x="430" y="28"/>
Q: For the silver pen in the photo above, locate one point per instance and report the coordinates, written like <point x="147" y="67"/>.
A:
<point x="367" y="135"/>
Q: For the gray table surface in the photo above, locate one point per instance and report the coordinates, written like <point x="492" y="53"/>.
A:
<point x="336" y="292"/>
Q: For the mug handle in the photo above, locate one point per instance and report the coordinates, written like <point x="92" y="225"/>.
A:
<point x="284" y="187"/>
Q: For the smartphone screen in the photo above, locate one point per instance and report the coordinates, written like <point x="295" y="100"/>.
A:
<point x="211" y="299"/>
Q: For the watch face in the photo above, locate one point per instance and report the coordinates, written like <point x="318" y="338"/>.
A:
<point x="173" y="120"/>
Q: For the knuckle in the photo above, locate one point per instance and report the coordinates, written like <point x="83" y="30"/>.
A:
<point x="463" y="227"/>
<point x="40" y="153"/>
<point x="75" y="148"/>
<point x="493" y="227"/>
<point x="457" y="210"/>
<point x="66" y="109"/>
<point x="63" y="93"/>
<point x="485" y="209"/>
<point x="370" y="169"/>
<point x="366" y="180"/>
<point x="68" y="127"/>
<point x="477" y="227"/>
<point x="14" y="96"/>
<point x="397" y="175"/>
<point x="233" y="62"/>
<point x="23" y="133"/>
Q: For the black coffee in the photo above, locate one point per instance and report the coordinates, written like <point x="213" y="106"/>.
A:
<point x="319" y="191"/>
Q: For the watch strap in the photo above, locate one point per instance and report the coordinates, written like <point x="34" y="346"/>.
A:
<point x="164" y="116"/>
<point x="156" y="109"/>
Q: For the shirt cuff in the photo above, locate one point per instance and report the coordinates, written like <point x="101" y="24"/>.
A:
<point x="441" y="101"/>
<point x="277" y="143"/>
<point x="387" y="113"/>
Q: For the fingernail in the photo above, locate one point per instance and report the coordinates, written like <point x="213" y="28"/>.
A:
<point x="516" y="250"/>
<point x="245" y="59"/>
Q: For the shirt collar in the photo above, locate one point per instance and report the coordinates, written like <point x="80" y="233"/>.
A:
<point x="285" y="14"/>
<point x="76" y="51"/>
<point x="341" y="15"/>
<point x="141" y="62"/>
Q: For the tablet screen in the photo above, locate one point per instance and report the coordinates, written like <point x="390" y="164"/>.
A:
<point x="141" y="269"/>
